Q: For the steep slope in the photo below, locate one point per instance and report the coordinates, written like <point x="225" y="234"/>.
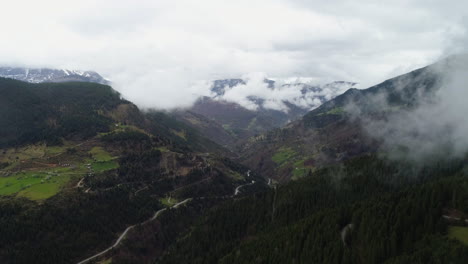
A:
<point x="79" y="165"/>
<point x="353" y="207"/>
<point x="52" y="112"/>
<point x="146" y="184"/>
<point x="35" y="112"/>
<point x="365" y="210"/>
<point x="245" y="108"/>
<point x="340" y="128"/>
<point x="235" y="119"/>
<point x="207" y="127"/>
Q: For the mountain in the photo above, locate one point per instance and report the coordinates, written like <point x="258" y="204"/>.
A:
<point x="207" y="127"/>
<point x="31" y="112"/>
<point x="365" y="210"/>
<point x="257" y="112"/>
<point x="79" y="164"/>
<point x="350" y="203"/>
<point x="86" y="177"/>
<point x="344" y="127"/>
<point x="51" y="75"/>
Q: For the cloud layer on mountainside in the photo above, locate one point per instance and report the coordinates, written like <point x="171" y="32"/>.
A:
<point x="436" y="126"/>
<point x="256" y="93"/>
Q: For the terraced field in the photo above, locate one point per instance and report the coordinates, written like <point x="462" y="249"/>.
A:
<point x="38" y="172"/>
<point x="103" y="161"/>
<point x="37" y="185"/>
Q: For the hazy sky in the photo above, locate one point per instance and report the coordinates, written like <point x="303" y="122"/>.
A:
<point x="160" y="53"/>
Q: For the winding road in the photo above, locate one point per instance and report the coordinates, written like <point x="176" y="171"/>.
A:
<point x="237" y="190"/>
<point x="124" y="234"/>
<point x="80" y="183"/>
<point x="156" y="214"/>
<point x="451" y="218"/>
<point x="345" y="231"/>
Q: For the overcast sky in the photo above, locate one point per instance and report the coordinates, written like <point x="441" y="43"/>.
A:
<point x="160" y="53"/>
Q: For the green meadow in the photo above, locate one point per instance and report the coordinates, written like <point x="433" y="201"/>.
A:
<point x="283" y="155"/>
<point x="103" y="160"/>
<point x="459" y="233"/>
<point x="101" y="166"/>
<point x="99" y="154"/>
<point x="35" y="185"/>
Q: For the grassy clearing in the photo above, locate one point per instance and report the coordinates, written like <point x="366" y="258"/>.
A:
<point x="106" y="261"/>
<point x="168" y="201"/>
<point x="235" y="175"/>
<point x="194" y="121"/>
<point x="228" y="129"/>
<point x="38" y="151"/>
<point x="252" y="123"/>
<point x="299" y="170"/>
<point x="13" y="184"/>
<point x="459" y="233"/>
<point x="12" y="155"/>
<point x="54" y="150"/>
<point x="101" y="166"/>
<point x="100" y="155"/>
<point x="44" y="182"/>
<point x="35" y="185"/>
<point x="334" y="111"/>
<point x="283" y="155"/>
<point x="180" y="134"/>
<point x="163" y="149"/>
<point x="299" y="173"/>
<point x="45" y="190"/>
<point x="120" y="128"/>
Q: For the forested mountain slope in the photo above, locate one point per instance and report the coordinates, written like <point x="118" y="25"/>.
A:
<point x="79" y="165"/>
<point x="352" y="202"/>
<point x="341" y="128"/>
<point x="267" y="104"/>
<point x="122" y="186"/>
<point x="366" y="210"/>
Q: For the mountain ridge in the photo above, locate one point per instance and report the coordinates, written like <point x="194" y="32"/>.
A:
<point x="336" y="130"/>
<point x="241" y="122"/>
<point x="41" y="75"/>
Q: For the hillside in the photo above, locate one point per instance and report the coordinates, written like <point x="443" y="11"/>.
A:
<point x="95" y="180"/>
<point x="246" y="108"/>
<point x="79" y="164"/>
<point x="365" y="210"/>
<point x="356" y="207"/>
<point x="341" y="128"/>
<point x="48" y="112"/>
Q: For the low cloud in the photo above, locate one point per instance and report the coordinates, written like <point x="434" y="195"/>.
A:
<point x="304" y="93"/>
<point x="158" y="52"/>
<point x="436" y="123"/>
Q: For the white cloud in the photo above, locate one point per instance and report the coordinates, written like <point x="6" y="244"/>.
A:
<point x="156" y="52"/>
<point x="435" y="126"/>
<point x="305" y="93"/>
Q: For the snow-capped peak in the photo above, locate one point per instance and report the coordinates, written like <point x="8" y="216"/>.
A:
<point x="40" y="75"/>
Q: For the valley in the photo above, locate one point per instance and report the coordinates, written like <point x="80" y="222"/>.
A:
<point x="91" y="178"/>
<point x="234" y="132"/>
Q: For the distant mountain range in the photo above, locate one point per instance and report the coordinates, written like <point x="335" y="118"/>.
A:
<point x="51" y="75"/>
<point x="236" y="109"/>
<point x="288" y="95"/>
<point x="244" y="109"/>
<point x="357" y="122"/>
